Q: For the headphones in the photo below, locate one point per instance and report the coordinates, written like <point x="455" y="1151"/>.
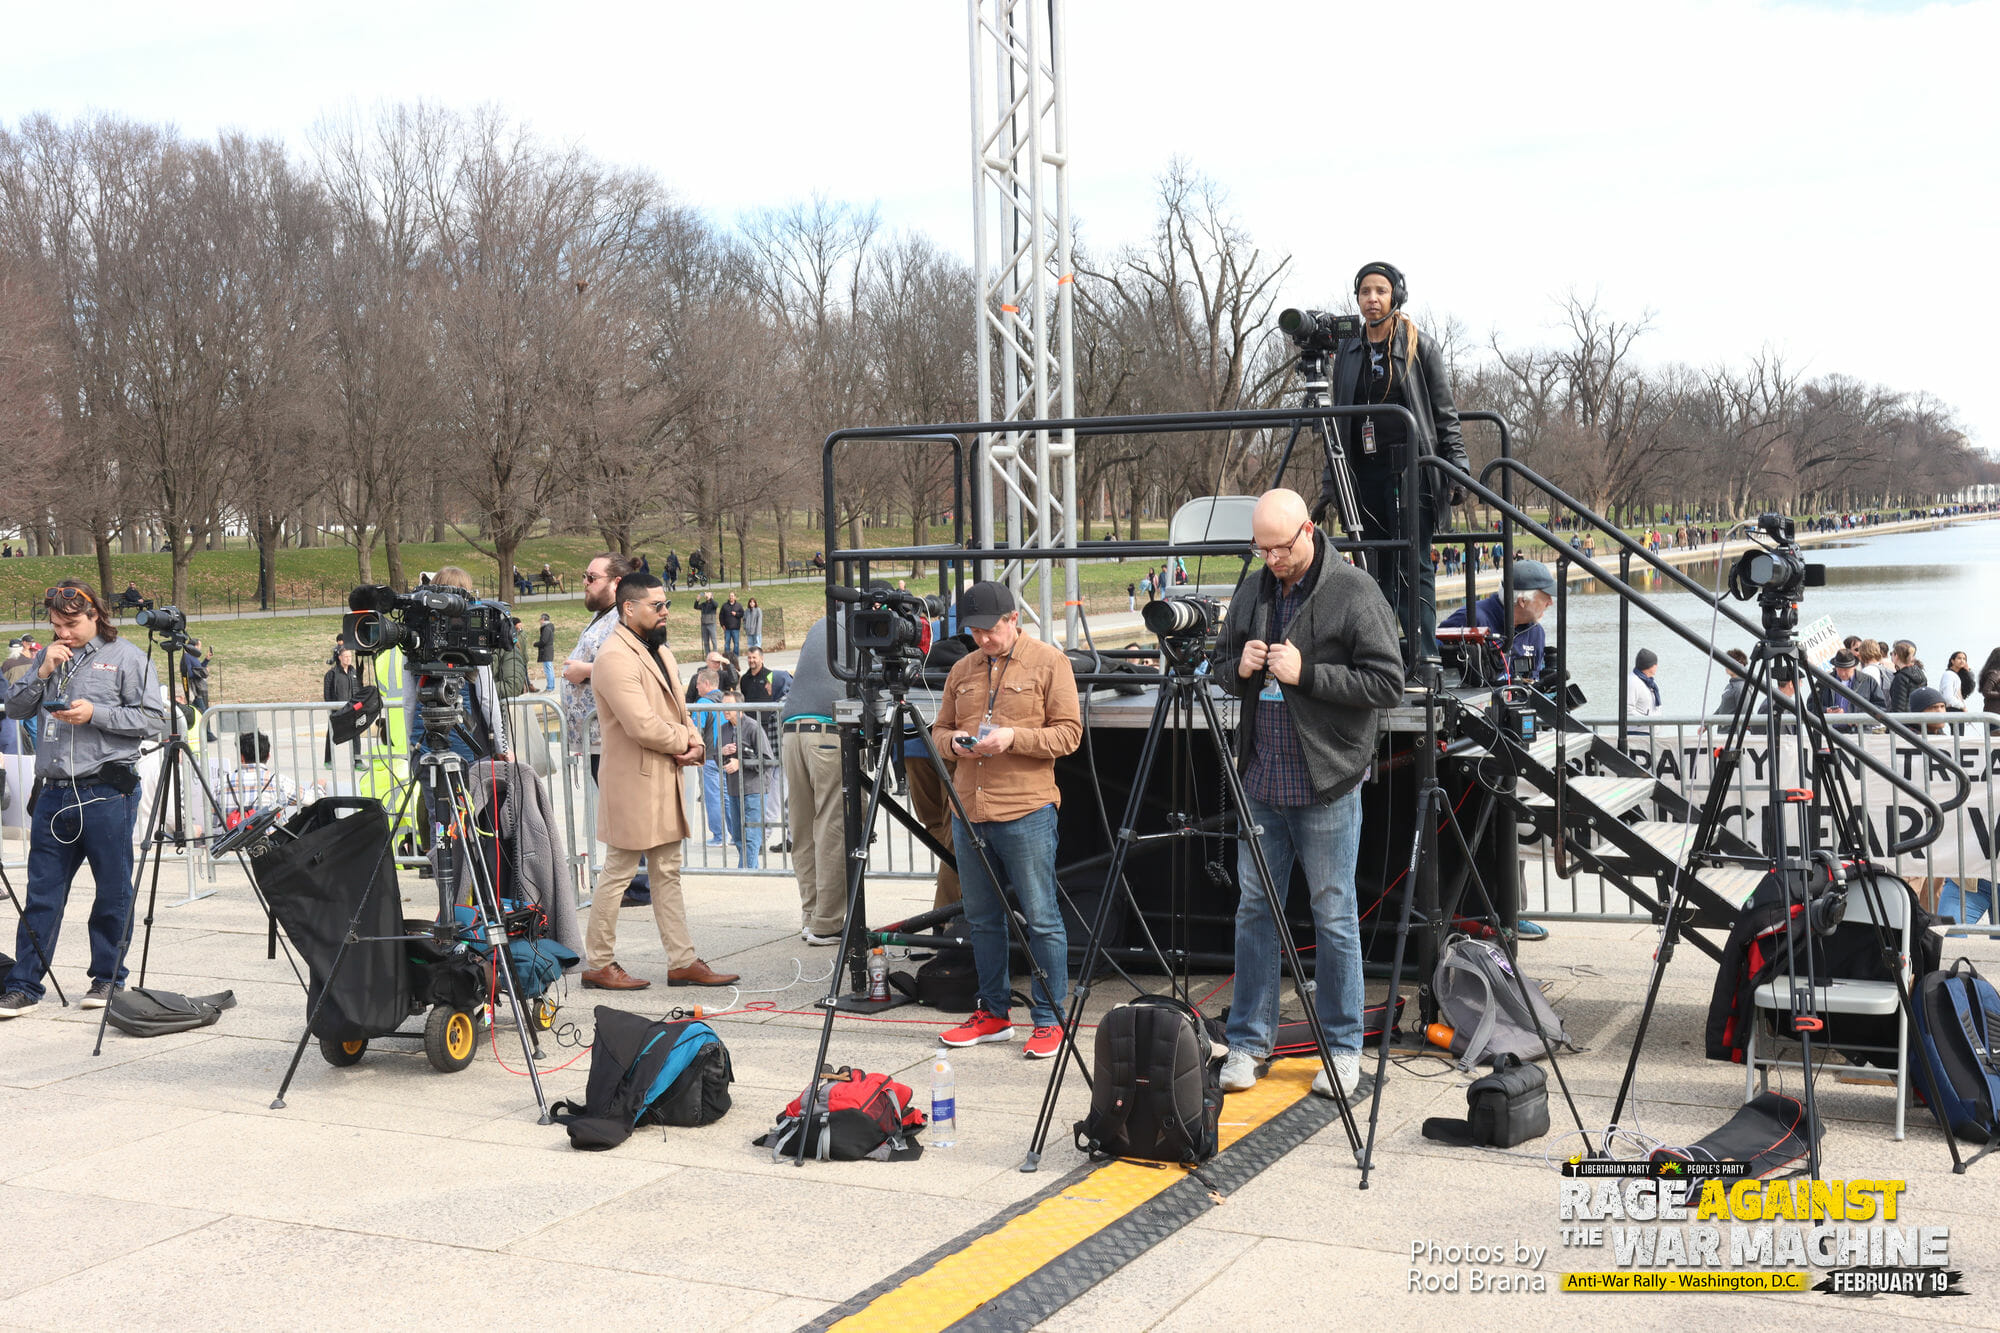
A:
<point x="1399" y="291"/>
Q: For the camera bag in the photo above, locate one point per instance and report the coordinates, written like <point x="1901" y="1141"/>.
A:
<point x="155" y="1013"/>
<point x="1156" y="1088"/>
<point x="948" y="982"/>
<point x="1503" y="1109"/>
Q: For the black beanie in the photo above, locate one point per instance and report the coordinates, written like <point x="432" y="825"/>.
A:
<point x="1646" y="658"/>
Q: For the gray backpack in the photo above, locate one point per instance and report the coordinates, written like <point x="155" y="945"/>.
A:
<point x="1478" y="998"/>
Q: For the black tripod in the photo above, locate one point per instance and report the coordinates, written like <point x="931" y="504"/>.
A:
<point x="1434" y="803"/>
<point x="1312" y="369"/>
<point x="885" y="733"/>
<point x="1778" y="661"/>
<point x="34" y="938"/>
<point x="169" y="794"/>
<point x="440" y="775"/>
<point x="1181" y="654"/>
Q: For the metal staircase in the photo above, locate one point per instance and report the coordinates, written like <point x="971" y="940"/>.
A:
<point x="1606" y="814"/>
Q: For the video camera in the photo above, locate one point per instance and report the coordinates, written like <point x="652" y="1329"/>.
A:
<point x="1318" y="330"/>
<point x="1774" y="573"/>
<point x="434" y="626"/>
<point x="889" y="622"/>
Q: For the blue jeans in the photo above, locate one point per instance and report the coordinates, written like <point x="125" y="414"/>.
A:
<point x="64" y="836"/>
<point x="1025" y="849"/>
<point x="711" y="796"/>
<point x="1967" y="904"/>
<point x="732" y="640"/>
<point x="746" y="826"/>
<point x="1325" y="840"/>
<point x="549" y="675"/>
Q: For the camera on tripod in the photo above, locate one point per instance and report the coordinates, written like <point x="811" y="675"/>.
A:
<point x="887" y="625"/>
<point x="433" y="625"/>
<point x="1318" y="330"/>
<point x="1773" y="573"/>
<point x="1187" y="626"/>
<point x="165" y="623"/>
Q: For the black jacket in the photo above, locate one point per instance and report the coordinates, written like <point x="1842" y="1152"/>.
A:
<point x="1428" y="396"/>
<point x="340" y="686"/>
<point x="545" y="642"/>
<point x="1353" y="666"/>
<point x="1901" y="685"/>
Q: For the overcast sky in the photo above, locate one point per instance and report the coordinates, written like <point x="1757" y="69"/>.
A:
<point x="1821" y="178"/>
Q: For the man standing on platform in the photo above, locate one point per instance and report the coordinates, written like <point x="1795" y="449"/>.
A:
<point x="648" y="738"/>
<point x="1008" y="711"/>
<point x="1311" y="647"/>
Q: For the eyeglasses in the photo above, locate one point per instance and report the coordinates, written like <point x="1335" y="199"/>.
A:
<point x="657" y="606"/>
<point x="69" y="601"/>
<point x="1269" y="552"/>
<point x="589" y="577"/>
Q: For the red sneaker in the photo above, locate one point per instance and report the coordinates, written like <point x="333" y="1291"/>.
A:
<point x="982" y="1026"/>
<point x="1043" y="1043"/>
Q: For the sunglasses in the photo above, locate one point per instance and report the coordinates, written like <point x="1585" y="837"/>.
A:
<point x="69" y="601"/>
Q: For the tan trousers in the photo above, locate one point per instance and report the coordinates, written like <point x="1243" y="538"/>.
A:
<point x="819" y="837"/>
<point x="933" y="810"/>
<point x="663" y="867"/>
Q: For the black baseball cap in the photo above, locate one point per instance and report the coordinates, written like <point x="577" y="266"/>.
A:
<point x="984" y="605"/>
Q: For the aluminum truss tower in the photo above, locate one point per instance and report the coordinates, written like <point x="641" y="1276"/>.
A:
<point x="1024" y="487"/>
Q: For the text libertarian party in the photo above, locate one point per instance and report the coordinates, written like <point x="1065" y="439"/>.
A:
<point x="1822" y="1215"/>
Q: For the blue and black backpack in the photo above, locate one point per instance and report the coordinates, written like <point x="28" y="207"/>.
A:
<point x="1958" y="1029"/>
<point x="647" y="1071"/>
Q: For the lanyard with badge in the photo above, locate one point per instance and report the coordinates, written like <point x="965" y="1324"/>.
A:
<point x="993" y="691"/>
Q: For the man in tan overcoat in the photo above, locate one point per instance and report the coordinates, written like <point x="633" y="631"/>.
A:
<point x="648" y="737"/>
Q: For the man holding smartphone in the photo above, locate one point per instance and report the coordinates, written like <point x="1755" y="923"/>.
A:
<point x="100" y="702"/>
<point x="1007" y="713"/>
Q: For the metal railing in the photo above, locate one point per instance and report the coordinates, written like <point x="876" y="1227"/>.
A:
<point x="1960" y="867"/>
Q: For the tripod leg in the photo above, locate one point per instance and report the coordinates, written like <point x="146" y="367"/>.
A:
<point x="1134" y="805"/>
<point x="34" y="938"/>
<point x="1274" y="896"/>
<point x="1396" y="975"/>
<point x="857" y="867"/>
<point x="486" y="895"/>
<point x="1513" y="957"/>
<point x="150" y="847"/>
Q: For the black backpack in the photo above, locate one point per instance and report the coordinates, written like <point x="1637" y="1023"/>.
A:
<point x="948" y="982"/>
<point x="1156" y="1090"/>
<point x="646" y="1071"/>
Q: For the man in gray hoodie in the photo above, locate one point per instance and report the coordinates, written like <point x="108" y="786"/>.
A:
<point x="1310" y="646"/>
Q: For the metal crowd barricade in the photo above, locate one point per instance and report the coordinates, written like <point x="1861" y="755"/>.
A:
<point x="375" y="765"/>
<point x="896" y="851"/>
<point x="1679" y="749"/>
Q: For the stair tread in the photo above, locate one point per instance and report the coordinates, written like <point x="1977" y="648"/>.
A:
<point x="1609" y="795"/>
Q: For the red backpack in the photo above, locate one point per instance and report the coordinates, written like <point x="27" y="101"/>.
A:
<point x="856" y="1115"/>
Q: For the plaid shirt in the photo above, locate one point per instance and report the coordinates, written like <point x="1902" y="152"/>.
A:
<point x="1278" y="773"/>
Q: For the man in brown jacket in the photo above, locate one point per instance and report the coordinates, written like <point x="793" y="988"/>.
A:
<point x="648" y="738"/>
<point x="1008" y="712"/>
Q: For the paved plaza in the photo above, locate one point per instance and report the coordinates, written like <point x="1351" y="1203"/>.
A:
<point x="154" y="1188"/>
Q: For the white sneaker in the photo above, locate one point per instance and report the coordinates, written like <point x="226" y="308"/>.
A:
<point x="818" y="941"/>
<point x="1239" y="1071"/>
<point x="1359" y="1087"/>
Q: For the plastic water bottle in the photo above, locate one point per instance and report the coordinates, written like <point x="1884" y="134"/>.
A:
<point x="878" y="974"/>
<point x="944" y="1104"/>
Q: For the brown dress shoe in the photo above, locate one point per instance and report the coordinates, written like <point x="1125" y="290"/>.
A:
<point x="699" y="973"/>
<point x="612" y="977"/>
